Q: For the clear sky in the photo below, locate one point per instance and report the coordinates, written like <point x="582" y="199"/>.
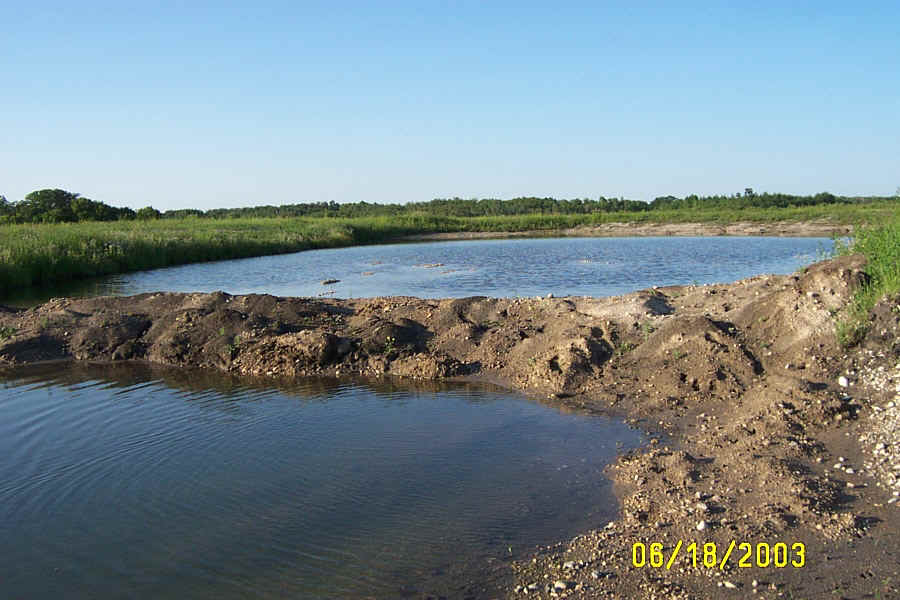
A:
<point x="195" y="104"/>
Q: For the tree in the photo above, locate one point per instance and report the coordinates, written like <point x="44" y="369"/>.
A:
<point x="47" y="206"/>
<point x="7" y="210"/>
<point x="147" y="213"/>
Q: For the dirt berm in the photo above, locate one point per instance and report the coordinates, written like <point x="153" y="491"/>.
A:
<point x="755" y="440"/>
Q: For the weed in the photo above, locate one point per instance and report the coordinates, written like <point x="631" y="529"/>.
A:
<point x="881" y="247"/>
<point x="647" y="328"/>
<point x="390" y="345"/>
<point x="235" y="344"/>
<point x="678" y="354"/>
<point x="624" y="348"/>
<point x="7" y="332"/>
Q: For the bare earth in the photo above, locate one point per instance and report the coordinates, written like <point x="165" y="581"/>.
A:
<point x="738" y="383"/>
<point x="783" y="229"/>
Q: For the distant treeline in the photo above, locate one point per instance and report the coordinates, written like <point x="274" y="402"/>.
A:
<point x="60" y="206"/>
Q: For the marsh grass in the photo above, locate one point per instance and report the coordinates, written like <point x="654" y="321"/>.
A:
<point x="881" y="246"/>
<point x="46" y="254"/>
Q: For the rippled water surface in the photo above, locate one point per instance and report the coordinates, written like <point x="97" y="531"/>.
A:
<point x="140" y="483"/>
<point x="510" y="267"/>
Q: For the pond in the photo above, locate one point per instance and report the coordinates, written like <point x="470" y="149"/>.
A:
<point x="135" y="481"/>
<point x="500" y="268"/>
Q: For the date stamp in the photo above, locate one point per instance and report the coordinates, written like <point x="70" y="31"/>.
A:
<point x="744" y="555"/>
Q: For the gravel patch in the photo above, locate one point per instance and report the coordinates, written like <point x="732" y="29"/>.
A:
<point x="881" y="440"/>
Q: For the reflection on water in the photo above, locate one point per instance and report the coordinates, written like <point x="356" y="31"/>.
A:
<point x="512" y="267"/>
<point x="147" y="482"/>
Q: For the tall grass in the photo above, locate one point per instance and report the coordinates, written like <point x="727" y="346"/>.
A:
<point x="45" y="254"/>
<point x="33" y="255"/>
<point x="881" y="246"/>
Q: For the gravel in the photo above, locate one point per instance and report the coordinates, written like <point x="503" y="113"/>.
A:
<point x="881" y="438"/>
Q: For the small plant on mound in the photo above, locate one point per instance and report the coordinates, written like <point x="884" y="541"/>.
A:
<point x="881" y="247"/>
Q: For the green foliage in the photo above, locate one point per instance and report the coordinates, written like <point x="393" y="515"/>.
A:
<point x="881" y="246"/>
<point x="492" y="207"/>
<point x="58" y="206"/>
<point x="148" y="212"/>
<point x="624" y="348"/>
<point x="7" y="332"/>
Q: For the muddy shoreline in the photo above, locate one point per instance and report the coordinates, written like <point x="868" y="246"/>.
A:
<point x="775" y="229"/>
<point x="742" y="378"/>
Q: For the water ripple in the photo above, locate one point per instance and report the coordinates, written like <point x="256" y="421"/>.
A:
<point x="137" y="483"/>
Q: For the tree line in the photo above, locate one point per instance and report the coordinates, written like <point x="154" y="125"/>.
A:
<point x="60" y="206"/>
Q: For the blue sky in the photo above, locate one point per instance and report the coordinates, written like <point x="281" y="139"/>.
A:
<point x="217" y="105"/>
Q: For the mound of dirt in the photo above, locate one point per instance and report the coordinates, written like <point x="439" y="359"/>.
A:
<point x="755" y="437"/>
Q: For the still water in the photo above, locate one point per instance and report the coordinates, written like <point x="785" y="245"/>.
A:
<point x="507" y="267"/>
<point x="140" y="482"/>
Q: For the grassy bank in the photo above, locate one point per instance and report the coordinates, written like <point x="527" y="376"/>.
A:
<point x="45" y="254"/>
<point x="881" y="246"/>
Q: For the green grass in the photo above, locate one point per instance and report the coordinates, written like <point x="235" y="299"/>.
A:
<point x="881" y="246"/>
<point x="46" y="254"/>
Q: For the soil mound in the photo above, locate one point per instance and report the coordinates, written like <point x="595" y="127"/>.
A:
<point x="756" y="439"/>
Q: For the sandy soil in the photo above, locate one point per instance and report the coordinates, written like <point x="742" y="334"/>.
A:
<point x="778" y="229"/>
<point x="765" y="430"/>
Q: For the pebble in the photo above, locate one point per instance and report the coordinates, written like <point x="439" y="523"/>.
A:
<point x="881" y="435"/>
<point x="842" y="381"/>
<point x="560" y="585"/>
<point x="701" y="525"/>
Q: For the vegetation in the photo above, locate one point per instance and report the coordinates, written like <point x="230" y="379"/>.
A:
<point x="60" y="206"/>
<point x="881" y="246"/>
<point x="53" y="236"/>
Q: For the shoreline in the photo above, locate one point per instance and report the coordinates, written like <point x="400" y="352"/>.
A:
<point x="54" y="254"/>
<point x="738" y="229"/>
<point x="741" y="379"/>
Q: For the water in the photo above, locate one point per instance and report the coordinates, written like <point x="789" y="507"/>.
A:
<point x="140" y="482"/>
<point x="506" y="267"/>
